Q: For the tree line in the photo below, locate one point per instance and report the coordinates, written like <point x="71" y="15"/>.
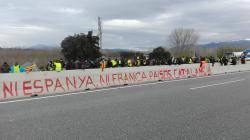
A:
<point x="86" y="46"/>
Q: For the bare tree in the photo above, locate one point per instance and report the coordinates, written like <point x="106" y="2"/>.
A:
<point x="184" y="41"/>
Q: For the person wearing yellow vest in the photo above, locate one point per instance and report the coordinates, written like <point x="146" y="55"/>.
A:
<point x="58" y="66"/>
<point x="190" y="60"/>
<point x="16" y="68"/>
<point x="114" y="63"/>
<point x="138" y="61"/>
<point x="129" y="63"/>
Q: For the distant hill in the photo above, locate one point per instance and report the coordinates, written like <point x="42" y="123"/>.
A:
<point x="140" y="49"/>
<point x="244" y="43"/>
<point x="114" y="50"/>
<point x="237" y="43"/>
<point x="44" y="47"/>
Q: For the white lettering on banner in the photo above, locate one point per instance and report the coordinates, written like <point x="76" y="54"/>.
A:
<point x="42" y="83"/>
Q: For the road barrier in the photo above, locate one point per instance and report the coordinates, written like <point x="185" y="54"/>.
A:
<point x="218" y="69"/>
<point x="20" y="85"/>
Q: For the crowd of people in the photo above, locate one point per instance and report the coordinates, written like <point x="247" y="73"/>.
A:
<point x="60" y="64"/>
<point x="15" y="68"/>
<point x="123" y="62"/>
<point x="127" y="62"/>
<point x="224" y="61"/>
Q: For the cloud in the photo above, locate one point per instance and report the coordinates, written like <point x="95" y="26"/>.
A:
<point x="126" y="23"/>
<point x="30" y="28"/>
<point x="66" y="10"/>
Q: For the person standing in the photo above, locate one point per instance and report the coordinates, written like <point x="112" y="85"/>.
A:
<point x="50" y="66"/>
<point x="103" y="64"/>
<point x="62" y="63"/>
<point x="119" y="62"/>
<point x="212" y="61"/>
<point x="113" y="61"/>
<point x="5" y="68"/>
<point x="58" y="66"/>
<point x="129" y="62"/>
<point x="15" y="68"/>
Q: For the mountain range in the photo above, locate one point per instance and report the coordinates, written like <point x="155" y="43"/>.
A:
<point x="44" y="47"/>
<point x="244" y="43"/>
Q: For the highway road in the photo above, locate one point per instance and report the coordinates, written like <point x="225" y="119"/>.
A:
<point x="212" y="108"/>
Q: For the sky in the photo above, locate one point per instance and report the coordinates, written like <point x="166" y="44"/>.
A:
<point x="127" y="24"/>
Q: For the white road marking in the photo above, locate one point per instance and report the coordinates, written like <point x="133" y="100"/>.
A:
<point x="108" y="89"/>
<point x="218" y="84"/>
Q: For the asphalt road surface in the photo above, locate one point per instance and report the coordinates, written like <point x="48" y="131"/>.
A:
<point x="212" y="108"/>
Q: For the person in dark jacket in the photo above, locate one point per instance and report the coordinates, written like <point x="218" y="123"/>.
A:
<point x="50" y="66"/>
<point x="109" y="64"/>
<point x="225" y="61"/>
<point x="234" y="61"/>
<point x="5" y="68"/>
<point x="243" y="60"/>
<point x="212" y="61"/>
